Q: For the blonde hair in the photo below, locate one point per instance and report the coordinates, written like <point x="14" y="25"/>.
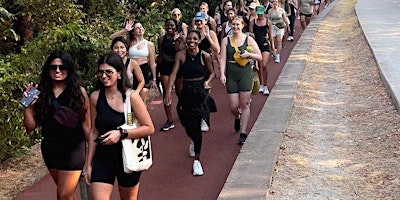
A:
<point x="175" y="10"/>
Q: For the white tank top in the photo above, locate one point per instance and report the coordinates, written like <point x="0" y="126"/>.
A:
<point x="228" y="30"/>
<point x="136" y="53"/>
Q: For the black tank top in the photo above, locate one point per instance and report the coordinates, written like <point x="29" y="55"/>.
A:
<point x="168" y="49"/>
<point x="192" y="67"/>
<point x="204" y="45"/>
<point x="179" y="27"/>
<point x="260" y="32"/>
<point x="107" y="118"/>
<point x="52" y="130"/>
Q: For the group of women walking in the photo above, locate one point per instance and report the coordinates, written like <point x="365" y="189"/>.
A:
<point x="188" y="61"/>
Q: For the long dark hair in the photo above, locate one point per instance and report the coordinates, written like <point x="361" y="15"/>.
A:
<point x="72" y="90"/>
<point x="119" y="39"/>
<point x="115" y="61"/>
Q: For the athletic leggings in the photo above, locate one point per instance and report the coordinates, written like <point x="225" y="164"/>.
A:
<point x="191" y="109"/>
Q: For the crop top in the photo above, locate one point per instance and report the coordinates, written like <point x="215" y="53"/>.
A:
<point x="192" y="67"/>
<point x="139" y="53"/>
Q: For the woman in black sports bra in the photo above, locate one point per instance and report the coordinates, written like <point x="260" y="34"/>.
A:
<point x="194" y="65"/>
<point x="104" y="160"/>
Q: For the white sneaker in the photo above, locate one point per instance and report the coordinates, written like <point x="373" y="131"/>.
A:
<point x="191" y="149"/>
<point x="278" y="58"/>
<point x="266" y="91"/>
<point x="197" y="169"/>
<point x="261" y="89"/>
<point x="204" y="127"/>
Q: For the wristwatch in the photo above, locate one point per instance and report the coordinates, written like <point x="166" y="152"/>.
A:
<point x="124" y="133"/>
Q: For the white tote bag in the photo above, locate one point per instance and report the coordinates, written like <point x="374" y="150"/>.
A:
<point x="136" y="153"/>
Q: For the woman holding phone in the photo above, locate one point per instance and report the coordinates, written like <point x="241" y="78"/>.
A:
<point x="63" y="148"/>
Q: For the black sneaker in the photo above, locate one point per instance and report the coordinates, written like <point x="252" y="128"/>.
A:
<point x="242" y="138"/>
<point x="168" y="125"/>
<point x="237" y="124"/>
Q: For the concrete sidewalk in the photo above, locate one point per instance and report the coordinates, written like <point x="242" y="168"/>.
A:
<point x="381" y="27"/>
<point x="252" y="172"/>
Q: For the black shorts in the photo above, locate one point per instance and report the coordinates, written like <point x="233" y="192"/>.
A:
<point x="108" y="165"/>
<point x="264" y="47"/>
<point x="307" y="15"/>
<point x="148" y="77"/>
<point x="62" y="156"/>
<point x="165" y="68"/>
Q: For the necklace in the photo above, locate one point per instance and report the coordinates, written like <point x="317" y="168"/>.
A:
<point x="193" y="57"/>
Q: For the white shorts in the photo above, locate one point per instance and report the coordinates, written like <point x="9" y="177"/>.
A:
<point x="277" y="31"/>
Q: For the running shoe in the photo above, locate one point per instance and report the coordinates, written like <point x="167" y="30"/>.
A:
<point x="266" y="91"/>
<point x="191" y="149"/>
<point x="204" y="127"/>
<point x="242" y="138"/>
<point x="261" y="90"/>
<point x="168" y="125"/>
<point x="197" y="169"/>
<point x="278" y="58"/>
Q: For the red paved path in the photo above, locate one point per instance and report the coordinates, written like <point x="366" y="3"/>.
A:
<point x="170" y="176"/>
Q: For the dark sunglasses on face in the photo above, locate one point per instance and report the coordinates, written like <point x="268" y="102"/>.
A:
<point x="108" y="72"/>
<point x="55" y="67"/>
<point x="176" y="15"/>
<point x="198" y="21"/>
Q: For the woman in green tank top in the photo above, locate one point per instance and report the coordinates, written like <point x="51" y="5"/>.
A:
<point x="238" y="79"/>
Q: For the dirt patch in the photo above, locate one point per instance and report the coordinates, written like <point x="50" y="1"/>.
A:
<point x="17" y="174"/>
<point x="343" y="138"/>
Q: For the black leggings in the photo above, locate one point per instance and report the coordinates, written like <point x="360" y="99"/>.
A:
<point x="191" y="109"/>
<point x="292" y="19"/>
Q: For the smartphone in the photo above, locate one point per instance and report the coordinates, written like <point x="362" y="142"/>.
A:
<point x="27" y="100"/>
<point x="99" y="139"/>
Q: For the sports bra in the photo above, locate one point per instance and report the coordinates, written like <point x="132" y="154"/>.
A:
<point x="136" y="53"/>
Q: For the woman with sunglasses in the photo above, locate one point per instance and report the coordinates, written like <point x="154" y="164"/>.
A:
<point x="120" y="46"/>
<point x="181" y="27"/>
<point x="63" y="148"/>
<point x="104" y="161"/>
<point x="143" y="52"/>
<point x="210" y="22"/>
<point x="197" y="73"/>
<point x="208" y="43"/>
<point x="238" y="79"/>
<point x="168" y="45"/>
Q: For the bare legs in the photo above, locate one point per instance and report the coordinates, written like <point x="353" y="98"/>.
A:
<point x="103" y="191"/>
<point x="304" y="21"/>
<point x="241" y="102"/>
<point x="66" y="182"/>
<point x="263" y="69"/>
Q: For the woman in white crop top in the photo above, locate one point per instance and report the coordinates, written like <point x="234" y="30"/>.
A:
<point x="142" y="51"/>
<point x="226" y="27"/>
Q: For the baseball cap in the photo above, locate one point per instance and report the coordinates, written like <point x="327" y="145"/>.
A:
<point x="260" y="9"/>
<point x="200" y="16"/>
<point x="253" y="5"/>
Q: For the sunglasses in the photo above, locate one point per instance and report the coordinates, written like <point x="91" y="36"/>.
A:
<point x="198" y="21"/>
<point x="60" y="67"/>
<point x="108" y="72"/>
<point x="176" y="15"/>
